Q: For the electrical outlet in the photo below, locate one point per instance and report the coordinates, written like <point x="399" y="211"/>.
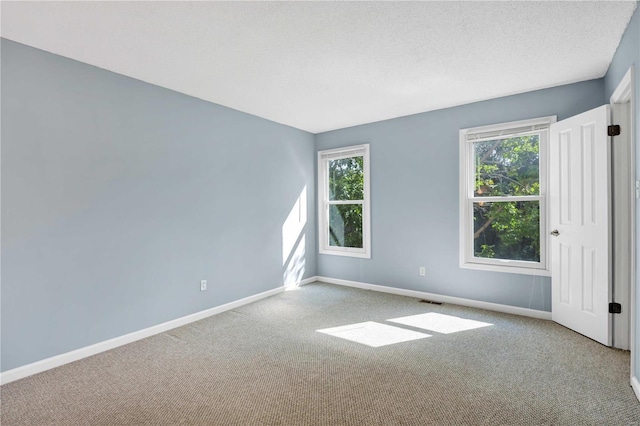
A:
<point x="203" y="285"/>
<point x="423" y="271"/>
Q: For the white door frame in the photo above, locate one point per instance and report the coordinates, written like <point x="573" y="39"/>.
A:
<point x="626" y="288"/>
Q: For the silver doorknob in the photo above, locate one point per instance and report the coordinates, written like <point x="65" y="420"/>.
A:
<point x="555" y="233"/>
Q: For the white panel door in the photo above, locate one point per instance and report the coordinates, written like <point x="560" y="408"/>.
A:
<point x="579" y="221"/>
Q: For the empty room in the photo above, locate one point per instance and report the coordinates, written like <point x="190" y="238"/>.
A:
<point x="320" y="213"/>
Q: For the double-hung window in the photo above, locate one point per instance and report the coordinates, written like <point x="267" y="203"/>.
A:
<point x="343" y="201"/>
<point x="503" y="187"/>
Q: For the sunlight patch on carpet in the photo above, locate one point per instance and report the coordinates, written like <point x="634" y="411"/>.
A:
<point x="440" y="323"/>
<point x="373" y="334"/>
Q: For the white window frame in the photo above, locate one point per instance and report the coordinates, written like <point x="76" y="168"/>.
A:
<point x="324" y="203"/>
<point x="467" y="184"/>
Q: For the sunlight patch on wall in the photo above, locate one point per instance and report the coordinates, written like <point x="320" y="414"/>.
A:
<point x="440" y="323"/>
<point x="294" y="225"/>
<point x="293" y="243"/>
<point x="294" y="270"/>
<point x="373" y="334"/>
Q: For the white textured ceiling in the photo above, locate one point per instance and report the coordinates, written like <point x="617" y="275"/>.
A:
<point x="326" y="65"/>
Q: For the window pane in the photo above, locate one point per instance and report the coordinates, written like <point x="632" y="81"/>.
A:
<point x="345" y="225"/>
<point x="507" y="230"/>
<point x="346" y="179"/>
<point x="507" y="166"/>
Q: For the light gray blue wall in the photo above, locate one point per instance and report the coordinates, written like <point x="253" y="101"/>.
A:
<point x="118" y="197"/>
<point x="628" y="54"/>
<point x="414" y="197"/>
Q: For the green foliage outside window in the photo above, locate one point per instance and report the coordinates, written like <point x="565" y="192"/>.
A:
<point x="346" y="183"/>
<point x="507" y="230"/>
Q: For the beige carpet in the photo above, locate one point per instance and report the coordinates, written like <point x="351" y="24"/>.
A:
<point x="265" y="363"/>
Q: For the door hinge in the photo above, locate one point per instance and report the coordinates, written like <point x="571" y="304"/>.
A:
<point x="613" y="130"/>
<point x="615" y="308"/>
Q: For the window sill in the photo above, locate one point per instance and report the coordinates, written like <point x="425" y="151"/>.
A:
<point x="508" y="269"/>
<point x="346" y="253"/>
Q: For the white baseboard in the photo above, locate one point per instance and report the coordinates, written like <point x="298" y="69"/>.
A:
<point x="65" y="358"/>
<point x="309" y="280"/>
<point x="635" y="385"/>
<point x="534" y="313"/>
<point x="58" y="360"/>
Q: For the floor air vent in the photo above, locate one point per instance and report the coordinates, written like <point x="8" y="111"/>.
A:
<point x="430" y="301"/>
